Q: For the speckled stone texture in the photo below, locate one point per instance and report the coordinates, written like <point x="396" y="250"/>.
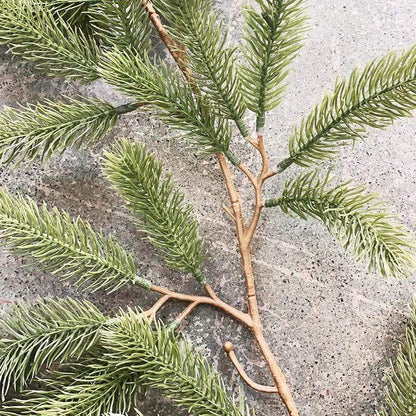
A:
<point x="333" y="326"/>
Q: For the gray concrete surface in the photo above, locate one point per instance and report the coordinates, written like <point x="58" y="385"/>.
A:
<point x="333" y="326"/>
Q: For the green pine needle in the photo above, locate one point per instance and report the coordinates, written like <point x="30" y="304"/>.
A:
<point x="88" y="388"/>
<point x="356" y="219"/>
<point x="165" y="91"/>
<point x="42" y="333"/>
<point x="37" y="35"/>
<point x="164" y="361"/>
<point x="165" y="218"/>
<point x="384" y="91"/>
<point x="121" y="23"/>
<point x="75" y="14"/>
<point x="199" y="28"/>
<point x="45" y="129"/>
<point x="273" y="36"/>
<point x="401" y="390"/>
<point x="65" y="247"/>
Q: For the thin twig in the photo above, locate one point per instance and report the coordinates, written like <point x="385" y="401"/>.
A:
<point x="151" y="313"/>
<point x="205" y="300"/>
<point x="229" y="349"/>
<point x="187" y="311"/>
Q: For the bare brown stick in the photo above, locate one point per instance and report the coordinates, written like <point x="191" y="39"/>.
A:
<point x="186" y="312"/>
<point x="205" y="300"/>
<point x="244" y="236"/>
<point x="229" y="349"/>
<point x="151" y="313"/>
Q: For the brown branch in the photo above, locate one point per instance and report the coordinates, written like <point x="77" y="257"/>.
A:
<point x="176" y="49"/>
<point x="205" y="300"/>
<point x="228" y="211"/>
<point x="229" y="349"/>
<point x="151" y="313"/>
<point x="187" y="311"/>
<point x="244" y="236"/>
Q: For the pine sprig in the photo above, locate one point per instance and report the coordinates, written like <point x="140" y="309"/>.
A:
<point x="355" y="218"/>
<point x="48" y="128"/>
<point x="165" y="218"/>
<point x="161" y="360"/>
<point x="65" y="247"/>
<point x="401" y="390"/>
<point x="384" y="91"/>
<point x="165" y="91"/>
<point x="42" y="333"/>
<point x="122" y="24"/>
<point x="273" y="36"/>
<point x="88" y="388"/>
<point x="199" y="28"/>
<point x="39" y="36"/>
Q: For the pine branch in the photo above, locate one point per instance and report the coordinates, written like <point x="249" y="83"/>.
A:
<point x="42" y="333"/>
<point x="401" y="390"/>
<point x="35" y="34"/>
<point x="198" y="27"/>
<point x="165" y="91"/>
<point x="45" y="129"/>
<point x="89" y="388"/>
<point x="356" y="219"/>
<point x="122" y="23"/>
<point x="374" y="97"/>
<point x="165" y="218"/>
<point x="273" y="36"/>
<point x="161" y="360"/>
<point x="64" y="247"/>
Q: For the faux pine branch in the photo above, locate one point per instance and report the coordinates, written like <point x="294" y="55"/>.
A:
<point x="353" y="216"/>
<point x="166" y="220"/>
<point x="65" y="247"/>
<point x="41" y="334"/>
<point x="91" y="364"/>
<point x="400" y="397"/>
<point x="375" y="96"/>
<point x="45" y="129"/>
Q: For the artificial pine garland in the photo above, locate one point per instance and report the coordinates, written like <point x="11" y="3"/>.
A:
<point x="90" y="364"/>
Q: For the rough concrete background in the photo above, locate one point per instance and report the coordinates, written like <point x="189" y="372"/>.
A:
<point x="333" y="326"/>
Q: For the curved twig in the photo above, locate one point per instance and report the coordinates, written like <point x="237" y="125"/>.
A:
<point x="229" y="349"/>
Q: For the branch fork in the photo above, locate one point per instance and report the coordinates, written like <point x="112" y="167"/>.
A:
<point x="244" y="236"/>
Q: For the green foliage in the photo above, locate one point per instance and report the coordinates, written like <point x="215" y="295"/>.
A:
<point x="45" y="129"/>
<point x="165" y="218"/>
<point x="74" y="13"/>
<point x="356" y="219"/>
<point x="401" y="390"/>
<point x="199" y="28"/>
<point x="42" y="37"/>
<point x="121" y="23"/>
<point x="162" y="360"/>
<point x="164" y="90"/>
<point x="64" y="247"/>
<point x="272" y="38"/>
<point x="374" y="97"/>
<point x="88" y="388"/>
<point x="42" y="333"/>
